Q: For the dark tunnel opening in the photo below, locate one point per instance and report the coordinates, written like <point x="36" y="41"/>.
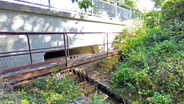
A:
<point x="74" y="52"/>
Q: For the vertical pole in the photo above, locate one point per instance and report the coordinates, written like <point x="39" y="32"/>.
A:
<point x="104" y="42"/>
<point x="107" y="44"/>
<point x="92" y="8"/>
<point x="115" y="9"/>
<point x="130" y="13"/>
<point x="68" y="46"/>
<point x="49" y="4"/>
<point x="65" y="50"/>
<point x="29" y="46"/>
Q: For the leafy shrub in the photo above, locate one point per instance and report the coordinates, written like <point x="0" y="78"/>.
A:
<point x="153" y="65"/>
<point x="53" y="91"/>
<point x="161" y="98"/>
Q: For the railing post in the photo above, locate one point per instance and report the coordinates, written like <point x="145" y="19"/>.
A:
<point x="115" y="9"/>
<point x="29" y="46"/>
<point x="104" y="42"/>
<point x="75" y="6"/>
<point x="65" y="50"/>
<point x="49" y="4"/>
<point x="130" y="13"/>
<point x="107" y="44"/>
<point x="68" y="46"/>
<point x="92" y="7"/>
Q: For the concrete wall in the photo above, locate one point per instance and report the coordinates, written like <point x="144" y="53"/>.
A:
<point x="20" y="18"/>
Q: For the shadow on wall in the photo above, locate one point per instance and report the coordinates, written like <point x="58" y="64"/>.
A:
<point x="12" y="21"/>
<point x="25" y="22"/>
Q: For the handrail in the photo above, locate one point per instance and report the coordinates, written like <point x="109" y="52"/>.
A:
<point x="41" y="50"/>
<point x="90" y="10"/>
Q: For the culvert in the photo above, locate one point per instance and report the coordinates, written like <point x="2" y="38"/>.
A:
<point x="74" y="52"/>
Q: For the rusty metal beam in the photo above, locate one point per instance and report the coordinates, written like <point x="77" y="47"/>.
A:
<point x="19" y="78"/>
<point x="65" y="63"/>
<point x="54" y="33"/>
<point x="29" y="66"/>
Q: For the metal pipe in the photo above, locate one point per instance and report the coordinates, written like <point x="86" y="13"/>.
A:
<point x="49" y="4"/>
<point x="104" y="42"/>
<point x="47" y="48"/>
<point x="92" y="8"/>
<point x="130" y="13"/>
<point x="68" y="47"/>
<point x="107" y="44"/>
<point x="54" y="33"/>
<point x="36" y="52"/>
<point x="14" y="52"/>
<point x="31" y="58"/>
<point x="75" y="5"/>
<point x="115" y="9"/>
<point x="51" y="33"/>
<point x="65" y="50"/>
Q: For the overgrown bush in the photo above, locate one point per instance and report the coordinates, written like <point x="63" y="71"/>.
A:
<point x="38" y="92"/>
<point x="154" y="62"/>
<point x="172" y="12"/>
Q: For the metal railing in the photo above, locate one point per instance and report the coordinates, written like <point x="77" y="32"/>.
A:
<point x="100" y="9"/>
<point x="31" y="51"/>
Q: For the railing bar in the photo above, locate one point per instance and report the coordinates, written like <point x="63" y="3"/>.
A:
<point x="54" y="33"/>
<point x="32" y="3"/>
<point x="54" y="7"/>
<point x="14" y="52"/>
<point x="75" y="65"/>
<point x="29" y="45"/>
<point x="38" y="52"/>
<point x="87" y="45"/>
<point x="32" y="50"/>
<point x="47" y="48"/>
<point x="107" y="44"/>
<point x="65" y="50"/>
<point x="104" y="42"/>
<point x="23" y="54"/>
<point x="68" y="47"/>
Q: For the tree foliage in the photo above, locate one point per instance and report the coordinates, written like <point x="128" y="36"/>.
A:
<point x="83" y="4"/>
<point x="131" y="3"/>
<point x="172" y="12"/>
<point x="86" y="4"/>
<point x="158" y="3"/>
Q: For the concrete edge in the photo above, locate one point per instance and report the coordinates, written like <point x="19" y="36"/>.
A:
<point x="4" y="5"/>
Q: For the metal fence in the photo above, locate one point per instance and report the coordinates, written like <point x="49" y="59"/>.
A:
<point x="100" y="9"/>
<point x="30" y="51"/>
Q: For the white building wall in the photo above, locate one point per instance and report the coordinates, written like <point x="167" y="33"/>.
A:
<point x="18" y="18"/>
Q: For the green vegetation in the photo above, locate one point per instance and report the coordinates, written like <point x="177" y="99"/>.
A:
<point x="38" y="92"/>
<point x="52" y="91"/>
<point x="84" y="4"/>
<point x="153" y="71"/>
